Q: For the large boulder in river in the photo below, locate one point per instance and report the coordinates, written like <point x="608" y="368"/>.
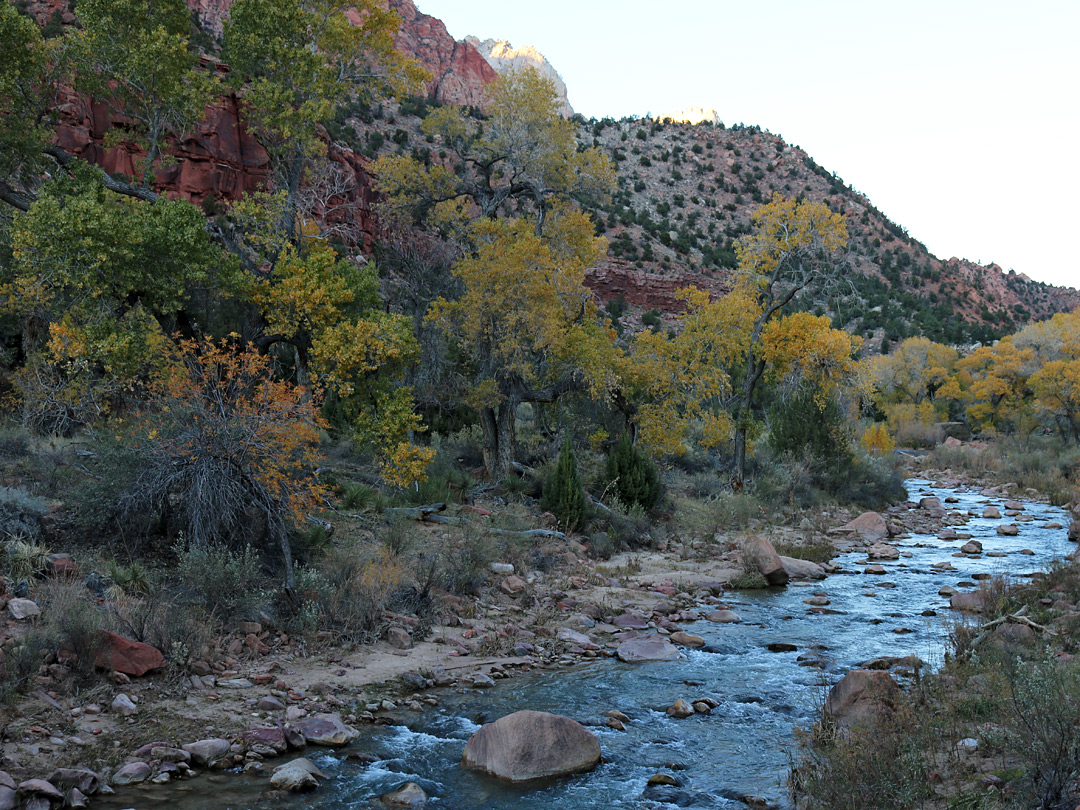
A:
<point x="869" y="526"/>
<point x="530" y="745"/>
<point x="971" y="601"/>
<point x="641" y="650"/>
<point x="760" y="554"/>
<point x="802" y="569"/>
<point x="862" y="697"/>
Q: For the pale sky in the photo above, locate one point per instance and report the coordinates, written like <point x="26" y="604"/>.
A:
<point x="958" y="119"/>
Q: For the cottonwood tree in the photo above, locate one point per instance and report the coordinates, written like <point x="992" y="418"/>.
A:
<point x="522" y="158"/>
<point x="526" y="327"/>
<point x="526" y="323"/>
<point x="296" y="62"/>
<point x="137" y="58"/>
<point x="796" y="246"/>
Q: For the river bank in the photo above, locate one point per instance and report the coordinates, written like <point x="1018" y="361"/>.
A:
<point x="581" y="612"/>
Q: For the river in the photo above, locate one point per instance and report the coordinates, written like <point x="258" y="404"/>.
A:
<point x="741" y="748"/>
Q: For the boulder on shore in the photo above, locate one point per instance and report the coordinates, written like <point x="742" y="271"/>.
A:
<point x="862" y="697"/>
<point x="133" y="658"/>
<point x="529" y="745"/>
<point x="870" y="526"/>
<point x="760" y="554"/>
<point x="801" y="569"/>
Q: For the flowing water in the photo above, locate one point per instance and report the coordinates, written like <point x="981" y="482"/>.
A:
<point x="741" y="748"/>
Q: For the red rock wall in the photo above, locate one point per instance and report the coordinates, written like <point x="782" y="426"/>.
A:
<point x="459" y="74"/>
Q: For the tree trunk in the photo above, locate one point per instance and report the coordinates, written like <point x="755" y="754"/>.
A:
<point x="497" y="425"/>
<point x="754" y="369"/>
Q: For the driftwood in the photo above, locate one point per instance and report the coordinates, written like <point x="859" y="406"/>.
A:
<point x="1014" y="618"/>
<point x="456" y="521"/>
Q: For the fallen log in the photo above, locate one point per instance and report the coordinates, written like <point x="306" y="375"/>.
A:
<point x="415" y="512"/>
<point x="456" y="521"/>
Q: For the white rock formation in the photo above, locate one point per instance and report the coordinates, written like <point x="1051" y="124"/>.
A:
<point x="503" y="56"/>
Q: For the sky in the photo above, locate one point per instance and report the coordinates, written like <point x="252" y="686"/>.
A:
<point x="959" y="120"/>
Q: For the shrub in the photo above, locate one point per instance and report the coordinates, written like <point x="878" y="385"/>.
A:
<point x="867" y="767"/>
<point x="1044" y="702"/>
<point x="23" y="560"/>
<point x="225" y="583"/>
<point x="349" y="590"/>
<point x="563" y="494"/>
<point x="803" y="426"/>
<point x="633" y="475"/>
<point x="21" y="513"/>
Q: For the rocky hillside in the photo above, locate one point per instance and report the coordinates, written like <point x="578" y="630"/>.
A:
<point x="686" y="193"/>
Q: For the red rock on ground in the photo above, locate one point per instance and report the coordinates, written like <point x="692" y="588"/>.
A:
<point x="129" y="657"/>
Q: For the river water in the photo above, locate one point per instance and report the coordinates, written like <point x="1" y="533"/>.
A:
<point x="741" y="748"/>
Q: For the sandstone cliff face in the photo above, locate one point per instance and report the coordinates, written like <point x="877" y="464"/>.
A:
<point x="503" y="56"/>
<point x="459" y="74"/>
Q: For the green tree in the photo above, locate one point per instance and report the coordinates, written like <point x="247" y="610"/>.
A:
<point x="296" y="62"/>
<point x="563" y="494"/>
<point x="633" y="475"/>
<point x="136" y="56"/>
<point x="524" y="153"/>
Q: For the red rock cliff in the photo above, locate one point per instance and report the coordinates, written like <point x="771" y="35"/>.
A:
<point x="459" y="74"/>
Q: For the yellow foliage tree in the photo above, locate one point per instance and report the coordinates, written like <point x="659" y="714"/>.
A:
<point x="994" y="381"/>
<point x="527" y="323"/>
<point x="796" y="246"/>
<point x="524" y="154"/>
<point x="673" y="382"/>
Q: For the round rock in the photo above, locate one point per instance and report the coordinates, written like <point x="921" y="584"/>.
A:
<point x="530" y="745"/>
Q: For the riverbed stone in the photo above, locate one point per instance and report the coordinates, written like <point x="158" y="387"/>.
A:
<point x="408" y="795"/>
<point x="680" y="709"/>
<point x="203" y="752"/>
<point x="972" y="547"/>
<point x="304" y="764"/>
<point x="86" y="781"/>
<point x="631" y="621"/>
<point x="641" y="650"/>
<point x="862" y="697"/>
<point x="9" y="799"/>
<point x="132" y="773"/>
<point x="123" y="705"/>
<point x="23" y="608"/>
<point x="686" y="639"/>
<point x="133" y="658"/>
<point x="802" y="569"/>
<point x="530" y="745"/>
<point x="1008" y="530"/>
<point x="326" y="729"/>
<point x="759" y="552"/>
<point x="883" y="551"/>
<point x="970" y="601"/>
<point x="723" y="617"/>
<point x="875" y="569"/>
<point x="869" y="526"/>
<point x="991" y="513"/>
<point x="293" y="779"/>
<point x="932" y="505"/>
<point x="41" y="787"/>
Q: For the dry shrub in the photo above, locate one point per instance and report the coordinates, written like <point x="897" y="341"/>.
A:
<point x="349" y="590"/>
<point x="864" y="768"/>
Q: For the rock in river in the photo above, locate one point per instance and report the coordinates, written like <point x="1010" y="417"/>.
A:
<point x="862" y="696"/>
<point x="529" y="745"/>
<point x="639" y="650"/>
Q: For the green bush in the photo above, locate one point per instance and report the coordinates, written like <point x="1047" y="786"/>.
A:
<point x="226" y="583"/>
<point x="563" y="494"/>
<point x="21" y="514"/>
<point x="633" y="476"/>
<point x="802" y="426"/>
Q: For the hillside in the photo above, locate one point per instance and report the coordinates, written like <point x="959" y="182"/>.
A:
<point x="686" y="193"/>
